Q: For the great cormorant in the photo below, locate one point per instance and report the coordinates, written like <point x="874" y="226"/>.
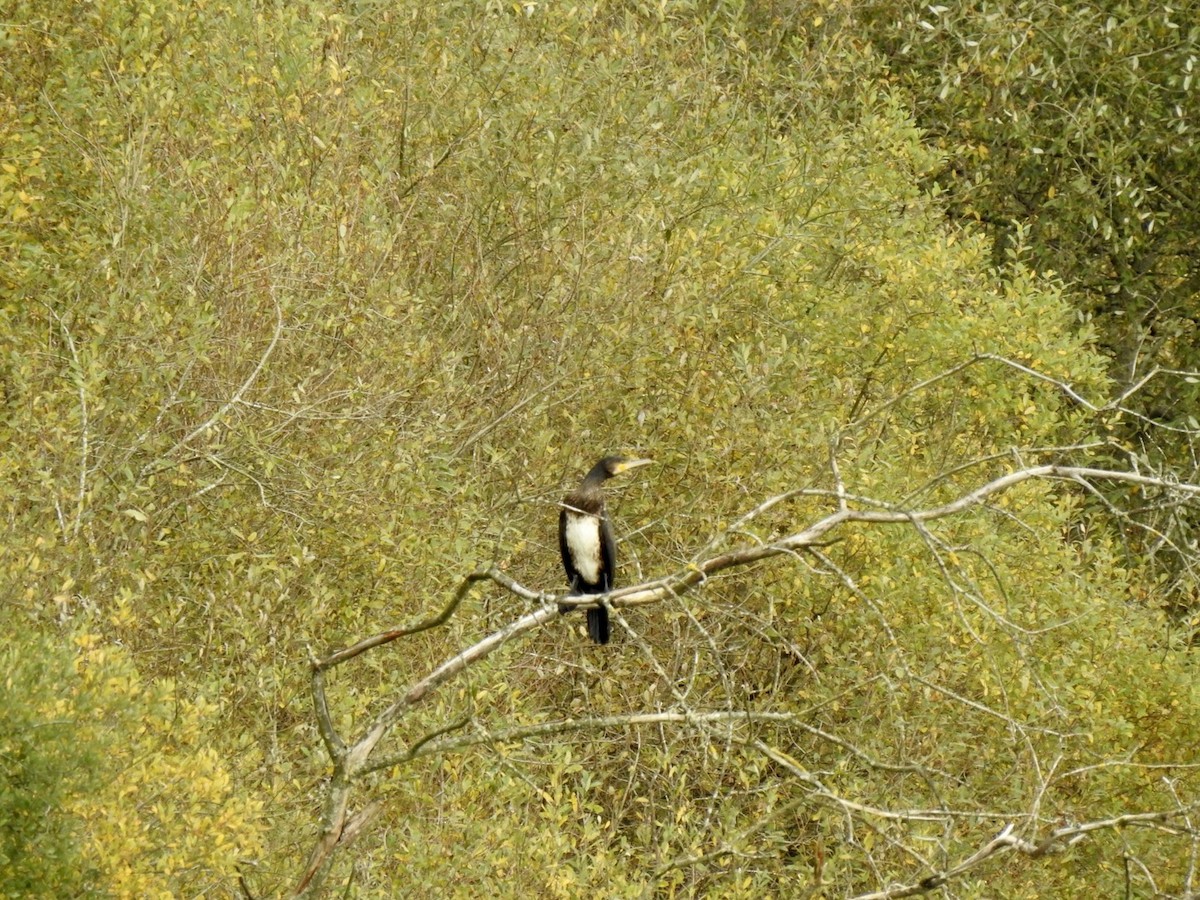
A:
<point x="585" y="537"/>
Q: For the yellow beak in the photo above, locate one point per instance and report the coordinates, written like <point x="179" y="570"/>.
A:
<point x="631" y="464"/>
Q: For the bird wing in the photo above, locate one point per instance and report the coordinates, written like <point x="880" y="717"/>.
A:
<point x="608" y="553"/>
<point x="568" y="565"/>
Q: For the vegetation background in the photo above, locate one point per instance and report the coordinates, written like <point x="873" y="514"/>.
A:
<point x="312" y="309"/>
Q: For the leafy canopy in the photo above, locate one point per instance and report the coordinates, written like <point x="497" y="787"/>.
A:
<point x="310" y="310"/>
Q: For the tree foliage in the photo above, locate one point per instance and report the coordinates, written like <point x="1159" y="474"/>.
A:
<point x="1069" y="134"/>
<point x="94" y="762"/>
<point x="1074" y="127"/>
<point x="311" y="311"/>
<point x="42" y="764"/>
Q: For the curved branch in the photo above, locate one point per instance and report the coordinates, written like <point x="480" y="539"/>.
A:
<point x="1006" y="841"/>
<point x="654" y="591"/>
<point x="229" y="404"/>
<point x="353" y="762"/>
<point x="672" y="585"/>
<point x="360" y="752"/>
<point x="429" y="747"/>
<point x="1115" y="405"/>
<point x="333" y="741"/>
<point x="440" y="618"/>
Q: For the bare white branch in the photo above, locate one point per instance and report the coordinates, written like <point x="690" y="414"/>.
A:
<point x="1008" y="841"/>
<point x="353" y="760"/>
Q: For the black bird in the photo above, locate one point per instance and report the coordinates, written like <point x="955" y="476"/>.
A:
<point x="585" y="537"/>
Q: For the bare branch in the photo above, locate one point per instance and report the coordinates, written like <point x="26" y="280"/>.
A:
<point x="429" y="747"/>
<point x="440" y="618"/>
<point x="333" y="742"/>
<point x="654" y="591"/>
<point x="361" y="751"/>
<point x="332" y="826"/>
<point x="1115" y="405"/>
<point x="84" y="426"/>
<point x="353" y="762"/>
<point x="229" y="404"/>
<point x="1007" y="841"/>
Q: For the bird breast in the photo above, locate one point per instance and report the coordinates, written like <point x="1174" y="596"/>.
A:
<point x="583" y="541"/>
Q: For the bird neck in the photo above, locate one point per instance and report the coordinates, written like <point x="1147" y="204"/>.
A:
<point x="594" y="478"/>
<point x="588" y="499"/>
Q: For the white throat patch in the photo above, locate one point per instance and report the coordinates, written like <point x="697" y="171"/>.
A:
<point x="583" y="542"/>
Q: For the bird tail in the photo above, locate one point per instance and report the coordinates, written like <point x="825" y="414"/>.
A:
<point x="597" y="621"/>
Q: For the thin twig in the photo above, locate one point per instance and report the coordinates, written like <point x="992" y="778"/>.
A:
<point x="84" y="426"/>
<point x="1007" y="841"/>
<point x="229" y="404"/>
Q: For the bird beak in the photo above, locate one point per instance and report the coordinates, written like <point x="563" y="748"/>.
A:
<point x="632" y="464"/>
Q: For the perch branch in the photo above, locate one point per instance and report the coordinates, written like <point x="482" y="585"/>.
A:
<point x="352" y="762"/>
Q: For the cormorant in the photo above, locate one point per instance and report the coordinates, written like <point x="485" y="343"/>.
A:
<point x="585" y="537"/>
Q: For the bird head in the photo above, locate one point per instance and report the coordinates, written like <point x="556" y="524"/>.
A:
<point x="613" y="465"/>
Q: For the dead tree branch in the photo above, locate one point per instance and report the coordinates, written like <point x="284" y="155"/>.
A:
<point x="352" y="761"/>
<point x="1008" y="841"/>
